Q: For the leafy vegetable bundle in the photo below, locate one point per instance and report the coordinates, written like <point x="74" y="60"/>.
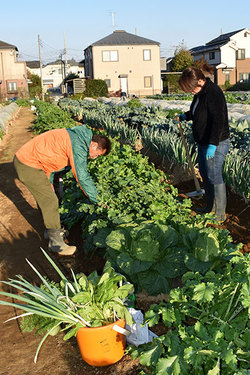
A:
<point x="91" y="301"/>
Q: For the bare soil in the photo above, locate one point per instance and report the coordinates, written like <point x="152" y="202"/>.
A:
<point x="21" y="236"/>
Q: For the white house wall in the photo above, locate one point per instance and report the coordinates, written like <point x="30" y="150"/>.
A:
<point x="35" y="71"/>
<point x="228" y="56"/>
<point x="243" y="41"/>
<point x="76" y="70"/>
<point x="53" y="75"/>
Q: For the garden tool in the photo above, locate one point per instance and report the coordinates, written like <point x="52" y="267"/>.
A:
<point x="198" y="192"/>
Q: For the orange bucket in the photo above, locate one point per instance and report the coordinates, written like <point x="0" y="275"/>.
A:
<point x="102" y="346"/>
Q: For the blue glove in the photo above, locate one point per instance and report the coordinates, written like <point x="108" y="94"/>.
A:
<point x="182" y="116"/>
<point x="179" y="117"/>
<point x="210" y="151"/>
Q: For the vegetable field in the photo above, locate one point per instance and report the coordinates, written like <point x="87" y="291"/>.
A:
<point x="157" y="131"/>
<point x="149" y="233"/>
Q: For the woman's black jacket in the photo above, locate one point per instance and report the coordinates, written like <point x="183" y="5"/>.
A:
<point x="210" y="119"/>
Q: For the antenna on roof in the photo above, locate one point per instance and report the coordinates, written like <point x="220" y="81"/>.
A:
<point x="113" y="19"/>
<point x="136" y="31"/>
<point x="221" y="31"/>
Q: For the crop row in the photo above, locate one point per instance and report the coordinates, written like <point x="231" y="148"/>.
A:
<point x="159" y="133"/>
<point x="243" y="98"/>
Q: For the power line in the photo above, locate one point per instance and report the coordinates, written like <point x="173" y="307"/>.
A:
<point x="25" y="54"/>
<point x="49" y="52"/>
<point x="74" y="49"/>
<point x="47" y="45"/>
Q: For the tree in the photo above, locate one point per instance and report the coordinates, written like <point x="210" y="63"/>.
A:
<point x="96" y="88"/>
<point x="182" y="59"/>
<point x="35" y="88"/>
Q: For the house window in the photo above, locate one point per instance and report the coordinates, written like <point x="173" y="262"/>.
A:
<point x="12" y="87"/>
<point x="148" y="81"/>
<point x="211" y="55"/>
<point x="146" y="54"/>
<point x="109" y="56"/>
<point x="240" y="54"/>
<point x="245" y="77"/>
<point x="108" y="82"/>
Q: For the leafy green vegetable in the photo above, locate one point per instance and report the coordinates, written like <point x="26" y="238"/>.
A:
<point x="209" y="324"/>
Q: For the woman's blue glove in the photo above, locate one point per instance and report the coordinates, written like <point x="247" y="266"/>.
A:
<point x="179" y="117"/>
<point x="210" y="151"/>
<point x="182" y="116"/>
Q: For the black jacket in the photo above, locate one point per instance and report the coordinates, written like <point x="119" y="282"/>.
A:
<point x="210" y="119"/>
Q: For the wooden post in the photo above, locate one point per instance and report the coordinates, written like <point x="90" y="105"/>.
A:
<point x="41" y="69"/>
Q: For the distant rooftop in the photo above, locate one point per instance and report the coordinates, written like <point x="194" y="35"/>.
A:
<point x="215" y="43"/>
<point x="223" y="38"/>
<point x="121" y="37"/>
<point x="4" y="45"/>
<point x="33" y="64"/>
<point x="71" y="62"/>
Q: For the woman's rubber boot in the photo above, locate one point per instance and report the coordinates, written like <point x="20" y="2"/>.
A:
<point x="57" y="245"/>
<point x="220" y="197"/>
<point x="210" y="203"/>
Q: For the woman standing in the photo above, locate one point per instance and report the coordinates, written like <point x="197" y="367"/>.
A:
<point x="209" y="114"/>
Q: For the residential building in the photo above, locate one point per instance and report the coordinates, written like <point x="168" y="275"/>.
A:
<point x="13" y="74"/>
<point x="77" y="68"/>
<point x="126" y="62"/>
<point x="54" y="72"/>
<point x="230" y="54"/>
<point x="34" y="67"/>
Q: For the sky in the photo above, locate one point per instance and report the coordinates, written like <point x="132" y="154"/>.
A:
<point x="81" y="23"/>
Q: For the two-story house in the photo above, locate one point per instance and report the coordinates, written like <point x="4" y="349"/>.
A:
<point x="230" y="54"/>
<point x="126" y="62"/>
<point x="13" y="74"/>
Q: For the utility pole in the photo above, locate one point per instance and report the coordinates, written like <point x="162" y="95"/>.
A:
<point x="65" y="50"/>
<point x="41" y="69"/>
<point x="65" y="65"/>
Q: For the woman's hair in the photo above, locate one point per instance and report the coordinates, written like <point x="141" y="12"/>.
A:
<point x="103" y="142"/>
<point x="190" y="76"/>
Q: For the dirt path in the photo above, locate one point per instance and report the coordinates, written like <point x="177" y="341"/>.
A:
<point x="21" y="236"/>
